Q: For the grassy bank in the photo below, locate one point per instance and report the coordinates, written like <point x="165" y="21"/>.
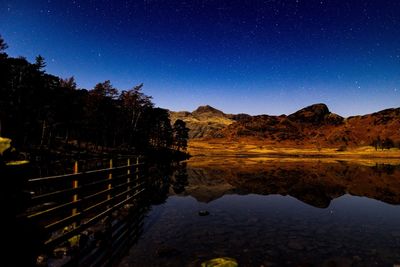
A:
<point x="257" y="149"/>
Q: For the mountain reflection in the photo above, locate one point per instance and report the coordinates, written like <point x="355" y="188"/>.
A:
<point x="315" y="182"/>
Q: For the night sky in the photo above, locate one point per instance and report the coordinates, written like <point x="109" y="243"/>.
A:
<point x="256" y="57"/>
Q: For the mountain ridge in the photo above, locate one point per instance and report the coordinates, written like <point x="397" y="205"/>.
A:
<point x="314" y="125"/>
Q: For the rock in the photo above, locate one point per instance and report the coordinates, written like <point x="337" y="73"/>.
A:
<point x="41" y="261"/>
<point x="312" y="114"/>
<point x="60" y="252"/>
<point x="204" y="213"/>
<point x="220" y="262"/>
<point x="201" y="110"/>
<point x="4" y="144"/>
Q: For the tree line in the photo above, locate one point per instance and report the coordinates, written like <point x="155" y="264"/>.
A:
<point x="382" y="144"/>
<point x="42" y="111"/>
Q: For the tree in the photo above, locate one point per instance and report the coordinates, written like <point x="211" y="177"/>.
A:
<point x="105" y="89"/>
<point x="68" y="83"/>
<point x="40" y="63"/>
<point x="3" y="44"/>
<point x="134" y="104"/>
<point x="387" y="143"/>
<point x="377" y="143"/>
<point x="181" y="135"/>
<point x="102" y="113"/>
<point x="160" y="128"/>
<point x="39" y="110"/>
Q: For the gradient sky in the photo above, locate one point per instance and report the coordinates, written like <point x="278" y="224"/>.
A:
<point x="256" y="57"/>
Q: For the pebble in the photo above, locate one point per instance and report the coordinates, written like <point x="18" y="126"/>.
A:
<point x="204" y="213"/>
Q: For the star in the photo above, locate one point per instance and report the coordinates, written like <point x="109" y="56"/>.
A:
<point x="272" y="43"/>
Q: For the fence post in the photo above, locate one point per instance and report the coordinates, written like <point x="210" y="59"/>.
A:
<point x="75" y="196"/>
<point x="128" y="180"/>
<point x="108" y="222"/>
<point x="137" y="174"/>
<point x="110" y="178"/>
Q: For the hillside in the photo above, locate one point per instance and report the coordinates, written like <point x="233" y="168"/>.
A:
<point x="313" y="126"/>
<point x="205" y="121"/>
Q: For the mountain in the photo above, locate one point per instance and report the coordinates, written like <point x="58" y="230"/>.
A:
<point x="205" y="121"/>
<point x="316" y="126"/>
<point x="312" y="126"/>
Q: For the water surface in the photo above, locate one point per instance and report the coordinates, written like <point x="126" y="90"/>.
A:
<point x="279" y="212"/>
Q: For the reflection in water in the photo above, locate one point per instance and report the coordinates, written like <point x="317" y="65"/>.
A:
<point x="313" y="182"/>
<point x="275" y="213"/>
<point x="180" y="178"/>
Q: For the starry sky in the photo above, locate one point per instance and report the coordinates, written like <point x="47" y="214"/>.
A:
<point x="250" y="56"/>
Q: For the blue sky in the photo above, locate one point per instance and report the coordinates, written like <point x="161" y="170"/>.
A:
<point x="256" y="57"/>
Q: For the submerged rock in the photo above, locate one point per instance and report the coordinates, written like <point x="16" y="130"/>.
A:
<point x="204" y="213"/>
<point x="220" y="262"/>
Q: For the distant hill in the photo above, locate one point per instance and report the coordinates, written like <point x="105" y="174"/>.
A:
<point x="205" y="121"/>
<point x="313" y="126"/>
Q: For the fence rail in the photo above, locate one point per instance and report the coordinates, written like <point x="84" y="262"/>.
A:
<point x="90" y="216"/>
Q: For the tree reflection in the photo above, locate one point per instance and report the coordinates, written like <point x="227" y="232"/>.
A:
<point x="180" y="178"/>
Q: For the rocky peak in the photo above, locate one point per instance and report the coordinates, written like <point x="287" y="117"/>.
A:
<point x="316" y="113"/>
<point x="202" y="110"/>
<point x="204" y="121"/>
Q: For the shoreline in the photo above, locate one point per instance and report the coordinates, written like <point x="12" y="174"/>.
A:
<point x="200" y="148"/>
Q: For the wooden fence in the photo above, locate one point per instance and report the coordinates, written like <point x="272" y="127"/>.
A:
<point x="88" y="218"/>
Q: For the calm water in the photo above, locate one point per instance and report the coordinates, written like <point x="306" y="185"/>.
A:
<point x="275" y="213"/>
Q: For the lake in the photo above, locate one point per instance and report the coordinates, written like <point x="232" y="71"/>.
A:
<point x="275" y="212"/>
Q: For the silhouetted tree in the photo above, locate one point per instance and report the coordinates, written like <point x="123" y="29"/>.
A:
<point x="68" y="83"/>
<point x="3" y="47"/>
<point x="181" y="135"/>
<point x="40" y="63"/>
<point x="3" y="44"/>
<point x="102" y="112"/>
<point x="39" y="110"/>
<point x="134" y="104"/>
<point x="377" y="143"/>
<point x="387" y="143"/>
<point x="105" y="89"/>
<point x="160" y="129"/>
